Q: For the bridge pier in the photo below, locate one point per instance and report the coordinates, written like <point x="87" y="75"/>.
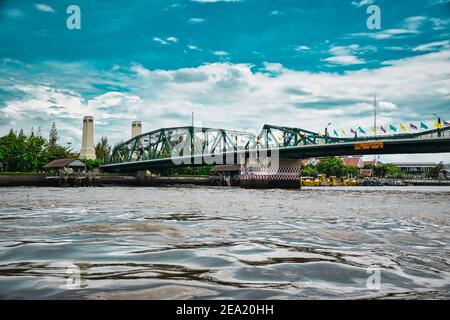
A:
<point x="259" y="174"/>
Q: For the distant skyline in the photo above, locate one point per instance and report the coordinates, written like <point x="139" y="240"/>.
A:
<point x="237" y="64"/>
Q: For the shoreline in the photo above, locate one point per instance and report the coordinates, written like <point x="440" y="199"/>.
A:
<point x="42" y="180"/>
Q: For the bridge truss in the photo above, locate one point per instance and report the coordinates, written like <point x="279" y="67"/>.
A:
<point x="179" y="142"/>
<point x="190" y="141"/>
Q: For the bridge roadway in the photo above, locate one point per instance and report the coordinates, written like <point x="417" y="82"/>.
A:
<point x="382" y="146"/>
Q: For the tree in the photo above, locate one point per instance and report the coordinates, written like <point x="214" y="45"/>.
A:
<point x="102" y="150"/>
<point x="53" y="137"/>
<point x="391" y="171"/>
<point x="331" y="167"/>
<point x="351" y="170"/>
<point x="309" y="170"/>
<point x="435" y="171"/>
<point x="91" y="164"/>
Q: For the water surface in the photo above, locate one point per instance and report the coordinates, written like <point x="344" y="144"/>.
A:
<point x="215" y="243"/>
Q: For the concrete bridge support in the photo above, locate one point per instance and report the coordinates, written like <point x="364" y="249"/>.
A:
<point x="262" y="174"/>
<point x="87" y="143"/>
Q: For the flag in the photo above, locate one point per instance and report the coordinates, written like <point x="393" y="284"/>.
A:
<point x="361" y="130"/>
<point x="446" y="124"/>
<point x="343" y="131"/>
<point x="413" y="127"/>
<point x="280" y="138"/>
<point x="352" y="131"/>
<point x="437" y="125"/>
<point x="383" y="129"/>
<point x="392" y="128"/>
<point x="320" y="133"/>
<point x="423" y="126"/>
<point x="373" y="130"/>
<point x="335" y="133"/>
<point x="403" y="127"/>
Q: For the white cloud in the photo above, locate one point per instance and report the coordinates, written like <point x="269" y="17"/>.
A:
<point x="345" y="60"/>
<point x="165" y="41"/>
<point x="157" y="39"/>
<point x="239" y="96"/>
<point x="172" y="39"/>
<point x="220" y="53"/>
<point x="44" y="7"/>
<point x="433" y="46"/>
<point x="409" y="27"/>
<point x="387" y="34"/>
<point x="196" y="20"/>
<point x="345" y="55"/>
<point x="362" y="3"/>
<point x="301" y="48"/>
<point x="194" y="47"/>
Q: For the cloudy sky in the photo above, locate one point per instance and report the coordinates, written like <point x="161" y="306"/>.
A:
<point x="237" y="64"/>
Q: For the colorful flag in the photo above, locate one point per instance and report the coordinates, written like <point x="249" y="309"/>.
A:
<point x="446" y="123"/>
<point x="437" y="125"/>
<point x="392" y="128"/>
<point x="383" y="129"/>
<point x="361" y="130"/>
<point x="280" y="139"/>
<point x="343" y="131"/>
<point x="335" y="133"/>
<point x="413" y="127"/>
<point x="320" y="133"/>
<point x="403" y="127"/>
<point x="423" y="126"/>
<point x="373" y="130"/>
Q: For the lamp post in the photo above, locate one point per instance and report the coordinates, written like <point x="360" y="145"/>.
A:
<point x="326" y="129"/>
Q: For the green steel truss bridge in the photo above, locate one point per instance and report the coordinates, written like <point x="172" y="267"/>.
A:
<point x="193" y="146"/>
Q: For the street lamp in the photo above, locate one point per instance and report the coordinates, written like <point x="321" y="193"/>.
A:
<point x="326" y="129"/>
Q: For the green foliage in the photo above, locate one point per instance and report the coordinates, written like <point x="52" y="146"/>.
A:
<point x="91" y="164"/>
<point x="19" y="153"/>
<point x="102" y="150"/>
<point x="350" y="170"/>
<point x="309" y="170"/>
<point x="331" y="167"/>
<point x="435" y="171"/>
<point x="53" y="136"/>
<point x="390" y="170"/>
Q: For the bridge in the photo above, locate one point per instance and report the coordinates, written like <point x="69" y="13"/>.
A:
<point x="192" y="146"/>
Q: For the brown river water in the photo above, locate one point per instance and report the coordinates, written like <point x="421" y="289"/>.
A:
<point x="224" y="243"/>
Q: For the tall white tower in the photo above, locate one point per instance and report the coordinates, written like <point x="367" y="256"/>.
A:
<point x="136" y="128"/>
<point x="87" y="144"/>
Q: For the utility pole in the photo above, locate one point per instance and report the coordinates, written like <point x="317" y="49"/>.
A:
<point x="192" y="119"/>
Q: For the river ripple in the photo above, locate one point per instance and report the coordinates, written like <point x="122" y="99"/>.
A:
<point x="215" y="243"/>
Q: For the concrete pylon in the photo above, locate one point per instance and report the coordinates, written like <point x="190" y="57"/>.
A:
<point x="136" y="128"/>
<point x="260" y="175"/>
<point x="87" y="144"/>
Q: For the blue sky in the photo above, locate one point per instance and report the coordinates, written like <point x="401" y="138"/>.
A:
<point x="236" y="64"/>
